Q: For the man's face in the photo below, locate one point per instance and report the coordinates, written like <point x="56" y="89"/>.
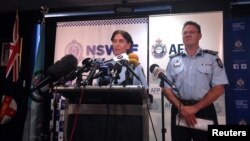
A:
<point x="120" y="45"/>
<point x="190" y="36"/>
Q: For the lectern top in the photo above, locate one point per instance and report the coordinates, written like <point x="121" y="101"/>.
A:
<point x="132" y="94"/>
<point x="100" y="88"/>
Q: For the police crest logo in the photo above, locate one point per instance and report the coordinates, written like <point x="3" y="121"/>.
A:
<point x="240" y="83"/>
<point x="238" y="44"/>
<point x="74" y="48"/>
<point x="159" y="50"/>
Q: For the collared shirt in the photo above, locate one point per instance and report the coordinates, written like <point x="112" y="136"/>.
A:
<point x="194" y="76"/>
<point x="140" y="72"/>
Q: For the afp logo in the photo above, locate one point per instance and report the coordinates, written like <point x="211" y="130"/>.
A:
<point x="159" y="50"/>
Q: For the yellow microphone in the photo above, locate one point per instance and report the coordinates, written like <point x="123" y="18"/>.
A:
<point x="133" y="59"/>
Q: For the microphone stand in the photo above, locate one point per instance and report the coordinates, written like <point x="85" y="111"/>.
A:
<point x="55" y="106"/>
<point x="163" y="129"/>
<point x="162" y="101"/>
<point x="79" y="80"/>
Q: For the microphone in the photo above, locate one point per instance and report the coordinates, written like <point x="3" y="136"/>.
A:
<point x="122" y="59"/>
<point x="58" y="70"/>
<point x="122" y="56"/>
<point x="86" y="64"/>
<point x="125" y="63"/>
<point x="90" y="77"/>
<point x="133" y="60"/>
<point x="116" y="71"/>
<point x="158" y="72"/>
<point x="104" y="74"/>
<point x="104" y="70"/>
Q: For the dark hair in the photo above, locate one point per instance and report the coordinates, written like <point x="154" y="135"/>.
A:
<point x="126" y="36"/>
<point x="194" y="24"/>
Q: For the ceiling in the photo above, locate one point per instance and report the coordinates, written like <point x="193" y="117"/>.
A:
<point x="26" y="5"/>
<point x="240" y="7"/>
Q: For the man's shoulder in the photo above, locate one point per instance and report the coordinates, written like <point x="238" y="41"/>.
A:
<point x="212" y="52"/>
<point x="175" y="55"/>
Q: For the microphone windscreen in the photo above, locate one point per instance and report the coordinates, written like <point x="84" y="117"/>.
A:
<point x="86" y="61"/>
<point x="63" y="66"/>
<point x="70" y="62"/>
<point x="133" y="58"/>
<point x="110" y="66"/>
<point x="152" y="67"/>
<point x="117" y="67"/>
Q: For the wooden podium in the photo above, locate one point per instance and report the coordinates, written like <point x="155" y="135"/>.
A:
<point x="113" y="113"/>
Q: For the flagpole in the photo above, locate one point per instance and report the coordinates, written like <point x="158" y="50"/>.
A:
<point x="46" y="131"/>
<point x="34" y="128"/>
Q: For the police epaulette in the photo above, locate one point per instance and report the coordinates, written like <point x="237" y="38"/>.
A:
<point x="210" y="52"/>
<point x="174" y="55"/>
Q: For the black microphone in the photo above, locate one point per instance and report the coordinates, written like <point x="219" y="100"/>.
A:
<point x="62" y="67"/>
<point x="126" y="64"/>
<point x="104" y="70"/>
<point x="104" y="74"/>
<point x="116" y="71"/>
<point x="158" y="72"/>
<point x="86" y="65"/>
<point x="58" y="70"/>
<point x="92" y="72"/>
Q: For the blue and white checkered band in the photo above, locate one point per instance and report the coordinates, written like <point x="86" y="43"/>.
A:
<point x="104" y="22"/>
<point x="159" y="50"/>
<point x="74" y="48"/>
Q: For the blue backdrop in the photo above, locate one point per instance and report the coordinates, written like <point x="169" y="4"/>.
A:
<point x="236" y="47"/>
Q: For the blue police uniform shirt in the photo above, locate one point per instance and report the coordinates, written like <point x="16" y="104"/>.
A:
<point x="140" y="72"/>
<point x="194" y="76"/>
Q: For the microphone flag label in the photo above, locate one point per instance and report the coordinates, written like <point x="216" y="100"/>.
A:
<point x="123" y="56"/>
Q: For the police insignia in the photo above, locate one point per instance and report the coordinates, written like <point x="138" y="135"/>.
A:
<point x="159" y="50"/>
<point x="210" y="52"/>
<point x="219" y="62"/>
<point x="74" y="48"/>
<point x="143" y="72"/>
<point x="240" y="83"/>
<point x="238" y="44"/>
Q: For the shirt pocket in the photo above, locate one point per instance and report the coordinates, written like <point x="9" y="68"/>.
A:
<point x="177" y="70"/>
<point x="205" y="68"/>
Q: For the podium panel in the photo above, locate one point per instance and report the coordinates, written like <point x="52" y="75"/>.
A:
<point x="106" y="114"/>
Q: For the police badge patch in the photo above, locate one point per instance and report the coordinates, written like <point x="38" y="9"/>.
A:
<point x="219" y="62"/>
<point x="159" y="50"/>
<point x="143" y="72"/>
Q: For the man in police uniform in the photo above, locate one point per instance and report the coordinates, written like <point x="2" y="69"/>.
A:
<point x="199" y="76"/>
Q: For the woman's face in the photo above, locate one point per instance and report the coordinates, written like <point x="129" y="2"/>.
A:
<point x="120" y="45"/>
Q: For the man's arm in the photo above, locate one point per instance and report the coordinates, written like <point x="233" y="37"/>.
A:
<point x="188" y="112"/>
<point x="213" y="94"/>
<point x="172" y="98"/>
